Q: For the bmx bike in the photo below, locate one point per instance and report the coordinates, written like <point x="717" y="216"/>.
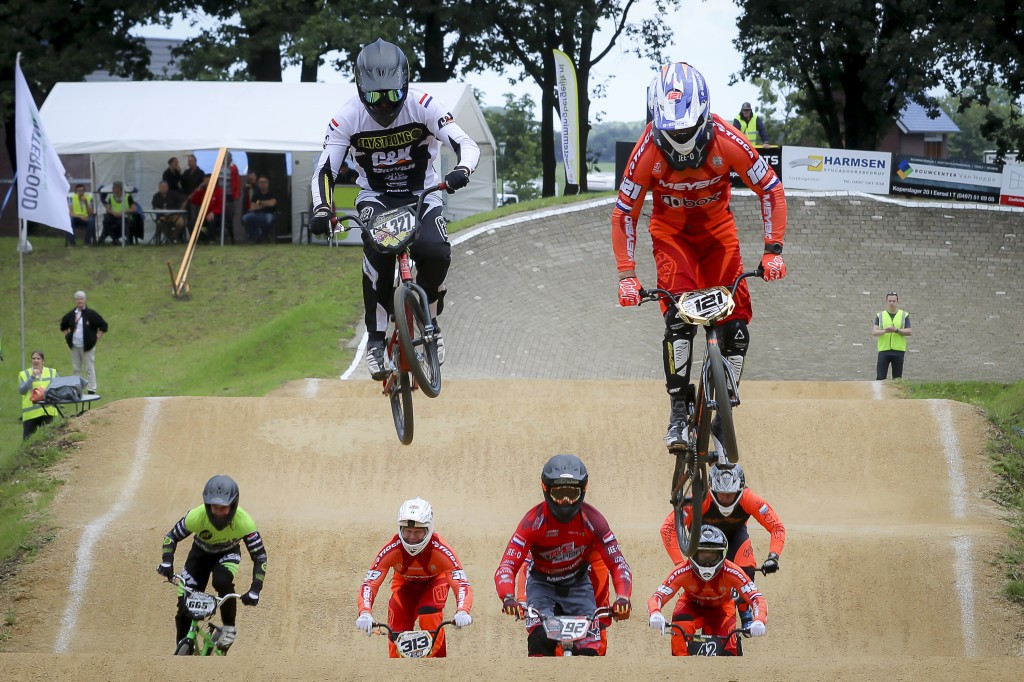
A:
<point x="699" y="644"/>
<point x="413" y="643"/>
<point x="203" y="635"/>
<point x="410" y="355"/>
<point x="568" y="631"/>
<point x="717" y="392"/>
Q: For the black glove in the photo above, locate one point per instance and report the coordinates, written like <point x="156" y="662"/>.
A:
<point x="771" y="564"/>
<point x="166" y="570"/>
<point x="251" y="598"/>
<point x="321" y="221"/>
<point x="457" y="179"/>
<point x="510" y="607"/>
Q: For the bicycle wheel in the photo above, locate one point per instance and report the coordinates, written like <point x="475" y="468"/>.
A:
<point x="723" y="406"/>
<point x="690" y="487"/>
<point x="400" y="393"/>
<point x="186" y="647"/>
<point x="412" y="316"/>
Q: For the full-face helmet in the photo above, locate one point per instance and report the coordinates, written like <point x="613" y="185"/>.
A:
<point x="564" y="480"/>
<point x="382" y="79"/>
<point x="223" y="491"/>
<point x="727" y="486"/>
<point x="710" y="555"/>
<point x="414" y="514"/>
<point x="681" y="116"/>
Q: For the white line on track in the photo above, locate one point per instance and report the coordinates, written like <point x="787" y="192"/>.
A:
<point x="877" y="390"/>
<point x="92" y="533"/>
<point x="962" y="554"/>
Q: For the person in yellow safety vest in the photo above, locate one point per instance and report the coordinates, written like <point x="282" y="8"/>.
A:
<point x="83" y="215"/>
<point x="37" y="376"/>
<point x="892" y="327"/>
<point x="751" y="125"/>
<point x="118" y="204"/>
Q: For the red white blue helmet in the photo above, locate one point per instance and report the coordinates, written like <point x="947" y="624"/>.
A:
<point x="681" y="115"/>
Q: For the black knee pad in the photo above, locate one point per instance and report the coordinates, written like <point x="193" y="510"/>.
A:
<point x="735" y="337"/>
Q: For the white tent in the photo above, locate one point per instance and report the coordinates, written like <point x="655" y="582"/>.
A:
<point x="153" y="120"/>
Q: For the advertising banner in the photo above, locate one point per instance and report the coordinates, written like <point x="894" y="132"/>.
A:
<point x="772" y="153"/>
<point x="1012" y="189"/>
<point x="918" y="176"/>
<point x="816" y="168"/>
<point x="568" y="107"/>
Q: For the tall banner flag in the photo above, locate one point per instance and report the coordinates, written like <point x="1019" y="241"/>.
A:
<point x="42" y="185"/>
<point x="569" y="107"/>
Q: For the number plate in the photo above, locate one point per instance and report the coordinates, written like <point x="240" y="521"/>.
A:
<point x="414" y="643"/>
<point x="392" y="229"/>
<point x="567" y="629"/>
<point x="200" y="604"/>
<point x="706" y="305"/>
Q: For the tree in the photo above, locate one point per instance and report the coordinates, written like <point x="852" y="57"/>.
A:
<point x="788" y="124"/>
<point x="603" y="136"/>
<point x="516" y="127"/>
<point x="854" y="63"/>
<point x="526" y="31"/>
<point x="65" y="41"/>
<point x="971" y="143"/>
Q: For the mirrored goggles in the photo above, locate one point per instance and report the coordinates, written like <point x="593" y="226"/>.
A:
<point x="565" y="494"/>
<point x="383" y="96"/>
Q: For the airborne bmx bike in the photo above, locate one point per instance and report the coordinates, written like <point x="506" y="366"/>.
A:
<point x="203" y="635"/>
<point x="413" y="643"/>
<point x="410" y="354"/>
<point x="717" y="393"/>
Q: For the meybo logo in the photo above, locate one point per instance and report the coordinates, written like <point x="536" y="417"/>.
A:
<point x="813" y="163"/>
<point x="904" y="169"/>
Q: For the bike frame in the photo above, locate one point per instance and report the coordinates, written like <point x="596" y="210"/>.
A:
<point x="567" y="630"/>
<point x="202" y="641"/>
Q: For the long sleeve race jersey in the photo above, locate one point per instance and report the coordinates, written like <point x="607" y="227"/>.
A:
<point x="214" y="541"/>
<point x="561" y="551"/>
<point x="712" y="593"/>
<point x="750" y="505"/>
<point x="438" y="558"/>
<point x="393" y="160"/>
<point x="694" y="197"/>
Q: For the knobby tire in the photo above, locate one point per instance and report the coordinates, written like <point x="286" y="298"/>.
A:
<point x="401" y="406"/>
<point x="412" y="315"/>
<point x="723" y="405"/>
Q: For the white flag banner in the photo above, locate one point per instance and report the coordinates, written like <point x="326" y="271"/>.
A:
<point x="42" y="184"/>
<point x="569" y="108"/>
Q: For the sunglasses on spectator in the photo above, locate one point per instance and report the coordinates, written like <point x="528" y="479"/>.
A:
<point x="380" y="96"/>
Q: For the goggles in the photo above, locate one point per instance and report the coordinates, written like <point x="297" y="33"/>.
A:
<point x="378" y="97"/>
<point x="708" y="557"/>
<point x="565" y="494"/>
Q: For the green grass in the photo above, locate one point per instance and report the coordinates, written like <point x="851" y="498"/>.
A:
<point x="1003" y="404"/>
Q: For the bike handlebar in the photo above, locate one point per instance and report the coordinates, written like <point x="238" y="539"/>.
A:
<point x="354" y="217"/>
<point x="656" y="294"/>
<point x="726" y="637"/>
<point x="392" y="634"/>
<point x="599" y="612"/>
<point x="177" y="580"/>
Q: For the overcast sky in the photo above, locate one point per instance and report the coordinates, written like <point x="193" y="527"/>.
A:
<point x="704" y="33"/>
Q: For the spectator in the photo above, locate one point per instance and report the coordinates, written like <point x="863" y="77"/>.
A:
<point x="172" y="176"/>
<point x="751" y="125"/>
<point x="83" y="328"/>
<point x="208" y="232"/>
<point x="169" y="225"/>
<point x="234" y="193"/>
<point x="259" y="221"/>
<point x="120" y="213"/>
<point x="191" y="178"/>
<point x="37" y="376"/>
<point x="346" y="176"/>
<point x="83" y="215"/>
<point x="250" y="189"/>
<point x="891" y="328"/>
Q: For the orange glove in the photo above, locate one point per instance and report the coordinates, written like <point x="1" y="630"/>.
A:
<point x="629" y="291"/>
<point x="774" y="267"/>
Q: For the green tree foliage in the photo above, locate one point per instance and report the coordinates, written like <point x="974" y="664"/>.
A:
<point x="62" y="40"/>
<point x="984" y="44"/>
<point x="525" y="32"/>
<point x="516" y="127"/>
<point x="854" y="64"/>
<point x="971" y="143"/>
<point x="603" y="136"/>
<point x="784" y="121"/>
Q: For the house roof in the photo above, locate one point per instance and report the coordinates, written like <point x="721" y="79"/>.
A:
<point x="914" y="119"/>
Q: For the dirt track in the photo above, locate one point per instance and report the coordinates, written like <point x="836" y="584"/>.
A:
<point x="869" y="585"/>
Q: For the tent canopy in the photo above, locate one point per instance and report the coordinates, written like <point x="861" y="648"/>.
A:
<point x="180" y="116"/>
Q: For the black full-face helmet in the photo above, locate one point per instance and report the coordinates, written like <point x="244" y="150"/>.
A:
<point x="564" y="480"/>
<point x="382" y="79"/>
<point x="221" y="490"/>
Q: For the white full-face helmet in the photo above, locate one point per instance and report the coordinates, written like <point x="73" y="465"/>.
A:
<point x="415" y="513"/>
<point x="727" y="486"/>
<point x="681" y="115"/>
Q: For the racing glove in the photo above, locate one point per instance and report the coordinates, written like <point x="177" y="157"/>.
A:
<point x="166" y="570"/>
<point x="658" y="621"/>
<point x="757" y="629"/>
<point x="251" y="598"/>
<point x="771" y="564"/>
<point x="774" y="267"/>
<point x="364" y="622"/>
<point x="462" y="619"/>
<point x="321" y="221"/>
<point x="621" y="607"/>
<point x="510" y="607"/>
<point x="629" y="292"/>
<point x="456" y="179"/>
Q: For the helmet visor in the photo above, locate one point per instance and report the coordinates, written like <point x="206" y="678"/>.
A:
<point x="708" y="558"/>
<point x="683" y="135"/>
<point x="565" y="494"/>
<point x="378" y="96"/>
